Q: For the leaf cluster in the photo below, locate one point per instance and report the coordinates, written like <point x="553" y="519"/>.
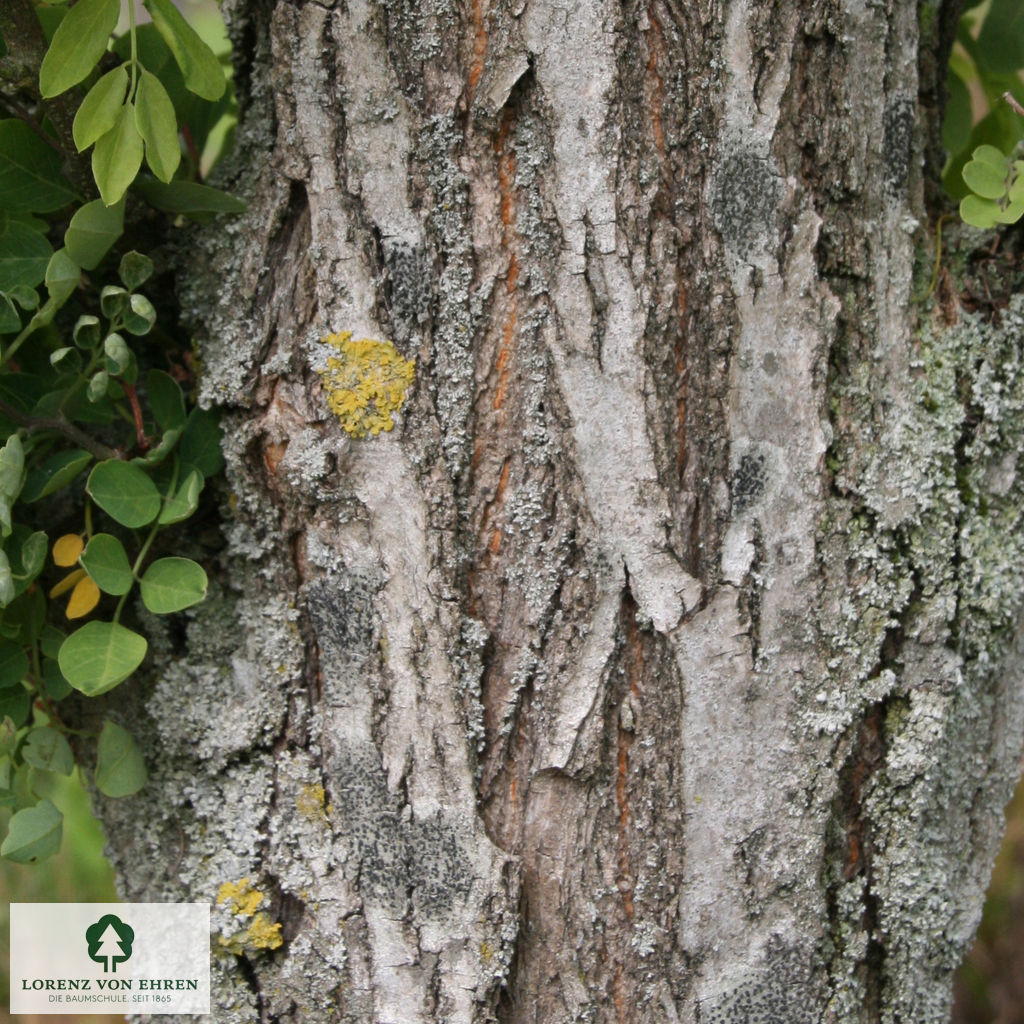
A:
<point x="100" y="449"/>
<point x="985" y="67"/>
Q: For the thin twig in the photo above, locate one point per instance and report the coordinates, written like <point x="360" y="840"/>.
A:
<point x="1017" y="108"/>
<point x="61" y="425"/>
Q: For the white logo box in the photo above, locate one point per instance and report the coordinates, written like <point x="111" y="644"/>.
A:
<point x="80" y="958"/>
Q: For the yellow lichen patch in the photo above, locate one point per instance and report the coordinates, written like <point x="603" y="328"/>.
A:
<point x="262" y="933"/>
<point x="312" y="803"/>
<point x="486" y="953"/>
<point x="242" y="897"/>
<point x="366" y="383"/>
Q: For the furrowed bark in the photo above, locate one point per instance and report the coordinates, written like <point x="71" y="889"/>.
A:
<point x="661" y="664"/>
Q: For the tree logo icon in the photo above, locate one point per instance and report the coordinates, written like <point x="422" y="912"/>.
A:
<point x="110" y="941"/>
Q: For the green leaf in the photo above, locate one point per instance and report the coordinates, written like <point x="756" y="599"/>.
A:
<point x="18" y="793"/>
<point x="66" y="360"/>
<point x="200" y="445"/>
<point x="62" y="277"/>
<point x="140" y="315"/>
<point x="187" y="197"/>
<point x="27" y="298"/>
<point x="165" y="399"/>
<point x="34" y="833"/>
<point x="117" y="157"/>
<point x="125" y="493"/>
<point x="78" y="44"/>
<point x="8" y="736"/>
<point x="985" y="180"/>
<point x="15" y="704"/>
<point x="981" y="213"/>
<point x="99" y="386"/>
<point x="12" y="468"/>
<point x="50" y="641"/>
<point x="157" y="454"/>
<point x="118" y="355"/>
<point x="54" y="473"/>
<point x="184" y="501"/>
<point x="92" y="231"/>
<point x="10" y="320"/>
<point x="199" y="65"/>
<point x="87" y="332"/>
<point x="158" y="126"/>
<point x="7" y="590"/>
<point x="29" y="171"/>
<point x="120" y="769"/>
<point x="57" y="687"/>
<point x="32" y="557"/>
<point x="24" y="254"/>
<point x="99" y="110"/>
<point x="106" y="562"/>
<point x="13" y="664"/>
<point x="113" y="301"/>
<point x="47" y="750"/>
<point x="171" y="584"/>
<point x="135" y="269"/>
<point x="95" y="658"/>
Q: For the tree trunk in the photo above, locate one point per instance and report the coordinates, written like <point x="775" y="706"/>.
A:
<point x="660" y="665"/>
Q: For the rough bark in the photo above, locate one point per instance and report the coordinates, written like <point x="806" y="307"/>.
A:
<point x="661" y="664"/>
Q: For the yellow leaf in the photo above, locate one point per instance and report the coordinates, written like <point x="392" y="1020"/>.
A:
<point x="67" y="583"/>
<point x="66" y="550"/>
<point x="84" y="598"/>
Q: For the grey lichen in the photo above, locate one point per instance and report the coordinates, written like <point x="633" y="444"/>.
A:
<point x="934" y="570"/>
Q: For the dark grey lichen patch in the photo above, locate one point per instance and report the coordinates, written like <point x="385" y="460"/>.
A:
<point x="744" y="200"/>
<point x="409" y="288"/>
<point x="900" y="119"/>
<point x="747" y="484"/>
<point x="780" y="992"/>
<point x="390" y="855"/>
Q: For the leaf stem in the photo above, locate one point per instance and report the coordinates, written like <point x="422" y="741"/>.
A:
<point x="135" y="57"/>
<point x="61" y="425"/>
<point x="149" y="540"/>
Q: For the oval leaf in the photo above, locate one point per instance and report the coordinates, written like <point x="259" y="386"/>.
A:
<point x="985" y="180"/>
<point x="56" y="472"/>
<point x="99" y="109"/>
<point x="78" y="44"/>
<point x="29" y="171"/>
<point x="171" y="584"/>
<point x="165" y="399"/>
<point x="92" y="231"/>
<point x="13" y="663"/>
<point x="124" y="492"/>
<point x="187" y="197"/>
<point x="202" y="70"/>
<point x="185" y="500"/>
<point x="84" y="597"/>
<point x="100" y="655"/>
<point x="117" y="157"/>
<point x="47" y="750"/>
<point x="33" y="834"/>
<point x="158" y="126"/>
<point x="107" y="564"/>
<point x="120" y="769"/>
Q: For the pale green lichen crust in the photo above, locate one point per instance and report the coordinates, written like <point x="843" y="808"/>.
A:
<point x="366" y="383"/>
<point x="924" y="553"/>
